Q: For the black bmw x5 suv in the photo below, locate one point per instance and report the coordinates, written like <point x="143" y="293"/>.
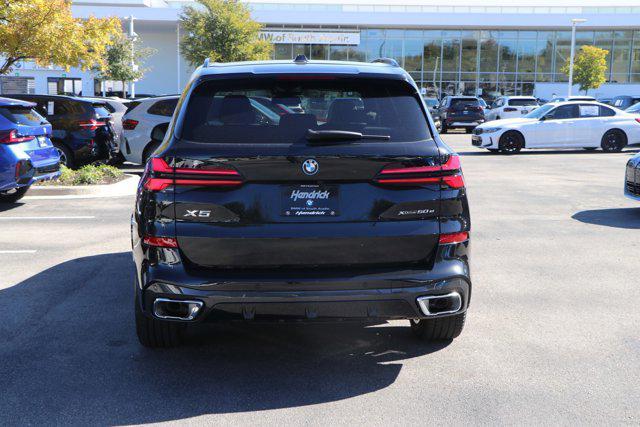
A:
<point x="352" y="209"/>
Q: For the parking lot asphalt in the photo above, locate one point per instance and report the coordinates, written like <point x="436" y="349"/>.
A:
<point x="553" y="331"/>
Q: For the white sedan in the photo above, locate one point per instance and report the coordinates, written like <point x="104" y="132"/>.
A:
<point x="574" y="124"/>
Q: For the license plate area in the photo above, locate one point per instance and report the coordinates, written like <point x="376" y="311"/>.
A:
<point x="309" y="200"/>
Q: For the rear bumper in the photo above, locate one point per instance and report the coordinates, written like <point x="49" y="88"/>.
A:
<point x="307" y="295"/>
<point x="302" y="305"/>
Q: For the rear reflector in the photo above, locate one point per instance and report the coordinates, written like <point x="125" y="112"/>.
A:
<point x="450" y="238"/>
<point x="161" y="242"/>
<point x="449" y="174"/>
<point x="638" y="120"/>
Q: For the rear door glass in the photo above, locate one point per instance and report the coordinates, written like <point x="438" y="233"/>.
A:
<point x="229" y="111"/>
<point x="165" y="107"/>
<point x="22" y="115"/>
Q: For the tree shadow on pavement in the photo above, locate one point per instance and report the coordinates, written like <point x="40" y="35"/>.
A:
<point x="70" y="355"/>
<point x="618" y="218"/>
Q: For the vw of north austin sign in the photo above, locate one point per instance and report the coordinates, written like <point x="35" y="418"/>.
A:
<point x="310" y="37"/>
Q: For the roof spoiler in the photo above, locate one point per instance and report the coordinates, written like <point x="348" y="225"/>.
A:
<point x="388" y="61"/>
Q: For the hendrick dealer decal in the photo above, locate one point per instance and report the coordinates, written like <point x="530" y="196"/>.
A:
<point x="310" y="200"/>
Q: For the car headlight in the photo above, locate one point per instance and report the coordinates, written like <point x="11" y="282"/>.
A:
<point x="490" y="130"/>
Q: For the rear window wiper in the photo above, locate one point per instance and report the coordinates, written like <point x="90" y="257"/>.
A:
<point x="338" y="136"/>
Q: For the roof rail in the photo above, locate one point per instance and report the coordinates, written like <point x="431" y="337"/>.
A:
<point x="301" y="59"/>
<point x="388" y="61"/>
<point x="206" y="63"/>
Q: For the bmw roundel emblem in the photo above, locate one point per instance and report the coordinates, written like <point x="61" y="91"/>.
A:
<point x="310" y="167"/>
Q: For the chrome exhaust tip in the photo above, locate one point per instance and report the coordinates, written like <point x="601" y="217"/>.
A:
<point x="436" y="305"/>
<point x="171" y="309"/>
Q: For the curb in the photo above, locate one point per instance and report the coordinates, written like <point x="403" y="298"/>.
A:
<point x="126" y="187"/>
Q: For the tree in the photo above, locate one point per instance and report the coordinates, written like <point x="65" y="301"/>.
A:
<point x="589" y="67"/>
<point x="46" y="32"/>
<point x="118" y="60"/>
<point x="223" y="31"/>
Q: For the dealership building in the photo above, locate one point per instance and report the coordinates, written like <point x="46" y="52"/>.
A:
<point x="483" y="48"/>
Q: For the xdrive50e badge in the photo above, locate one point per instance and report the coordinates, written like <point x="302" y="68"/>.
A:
<point x="310" y="167"/>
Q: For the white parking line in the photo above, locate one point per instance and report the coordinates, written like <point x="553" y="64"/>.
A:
<point x="45" y="217"/>
<point x="18" y="252"/>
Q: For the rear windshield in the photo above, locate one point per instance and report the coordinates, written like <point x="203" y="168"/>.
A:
<point x="101" y="110"/>
<point x="132" y="105"/>
<point x="460" y="103"/>
<point x="22" y="115"/>
<point x="283" y="109"/>
<point x="522" y="102"/>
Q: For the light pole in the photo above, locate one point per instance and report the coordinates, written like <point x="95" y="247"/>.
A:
<point x="574" y="22"/>
<point x="133" y="37"/>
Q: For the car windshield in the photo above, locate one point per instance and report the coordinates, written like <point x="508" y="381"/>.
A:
<point x="539" y="112"/>
<point x="242" y="110"/>
<point x="635" y="108"/>
<point x="522" y="102"/>
<point x="431" y="102"/>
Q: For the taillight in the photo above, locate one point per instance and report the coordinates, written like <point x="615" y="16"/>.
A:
<point x="510" y="109"/>
<point x="160" y="242"/>
<point x="13" y="137"/>
<point x="161" y="176"/>
<point x="638" y="120"/>
<point x="451" y="238"/>
<point x="92" y="124"/>
<point x="129" y="124"/>
<point x="448" y="174"/>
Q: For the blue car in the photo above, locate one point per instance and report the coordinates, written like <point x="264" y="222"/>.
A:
<point x="26" y="152"/>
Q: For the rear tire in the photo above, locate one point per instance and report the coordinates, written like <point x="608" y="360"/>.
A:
<point x="155" y="333"/>
<point x="66" y="156"/>
<point x="613" y="141"/>
<point x="511" y="143"/>
<point x="439" y="329"/>
<point x="148" y="151"/>
<point x="12" y="196"/>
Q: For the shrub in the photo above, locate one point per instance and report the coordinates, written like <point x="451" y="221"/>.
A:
<point x="87" y="175"/>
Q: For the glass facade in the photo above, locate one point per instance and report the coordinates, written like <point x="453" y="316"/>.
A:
<point x="482" y="62"/>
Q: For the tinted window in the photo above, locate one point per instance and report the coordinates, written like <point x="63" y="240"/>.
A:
<point x="522" y="102"/>
<point x="22" y="115"/>
<point x="164" y="107"/>
<point x="61" y="107"/>
<point x="460" y="103"/>
<point x="564" y="112"/>
<point x="109" y="108"/>
<point x="606" y="112"/>
<point x="224" y="111"/>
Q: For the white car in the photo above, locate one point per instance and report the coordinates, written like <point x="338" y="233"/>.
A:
<point x="572" y="98"/>
<point x="144" y="124"/>
<point x="574" y="124"/>
<point x="508" y="107"/>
